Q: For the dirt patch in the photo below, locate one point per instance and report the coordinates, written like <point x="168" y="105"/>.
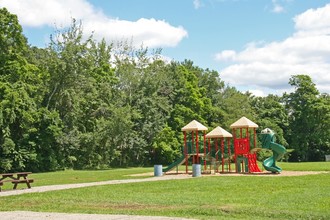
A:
<point x="300" y="173"/>
<point x="283" y="173"/>
<point x="143" y="174"/>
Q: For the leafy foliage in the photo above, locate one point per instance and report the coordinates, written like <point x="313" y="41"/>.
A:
<point x="84" y="104"/>
<point x="309" y="120"/>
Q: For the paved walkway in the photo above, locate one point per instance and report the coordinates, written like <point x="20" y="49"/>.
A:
<point x="26" y="215"/>
<point x="40" y="189"/>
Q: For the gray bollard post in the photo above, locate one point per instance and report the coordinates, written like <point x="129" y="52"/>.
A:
<point x="196" y="170"/>
<point x="158" y="170"/>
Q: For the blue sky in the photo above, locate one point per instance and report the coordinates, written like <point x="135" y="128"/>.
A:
<point x="255" y="45"/>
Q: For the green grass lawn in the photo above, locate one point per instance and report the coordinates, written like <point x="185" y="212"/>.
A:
<point x="305" y="166"/>
<point x="84" y="176"/>
<point x="207" y="197"/>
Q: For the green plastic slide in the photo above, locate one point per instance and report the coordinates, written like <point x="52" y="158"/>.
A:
<point x="270" y="163"/>
<point x="176" y="163"/>
<point x="268" y="142"/>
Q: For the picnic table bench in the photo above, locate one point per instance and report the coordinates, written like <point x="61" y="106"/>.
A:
<point x="16" y="178"/>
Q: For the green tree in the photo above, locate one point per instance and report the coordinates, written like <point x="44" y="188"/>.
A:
<point x="212" y="88"/>
<point x="144" y="87"/>
<point x="272" y="114"/>
<point x="166" y="147"/>
<point x="309" y="120"/>
<point x="235" y="105"/>
<point x="22" y="117"/>
<point x="12" y="42"/>
<point x="189" y="100"/>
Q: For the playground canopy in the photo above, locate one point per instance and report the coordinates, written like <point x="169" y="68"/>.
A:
<point x="194" y="126"/>
<point x="244" y="123"/>
<point x="218" y="132"/>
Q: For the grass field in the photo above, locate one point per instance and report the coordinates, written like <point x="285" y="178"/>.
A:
<point x="208" y="197"/>
<point x="306" y="166"/>
<point x="83" y="176"/>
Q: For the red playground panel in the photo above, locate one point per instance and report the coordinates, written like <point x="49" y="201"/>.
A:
<point x="252" y="161"/>
<point x="242" y="146"/>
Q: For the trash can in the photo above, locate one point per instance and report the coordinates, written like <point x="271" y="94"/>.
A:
<point x="327" y="158"/>
<point x="158" y="170"/>
<point x="196" y="170"/>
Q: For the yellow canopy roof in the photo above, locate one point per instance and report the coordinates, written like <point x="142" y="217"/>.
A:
<point x="244" y="123"/>
<point x="194" y="126"/>
<point x="218" y="132"/>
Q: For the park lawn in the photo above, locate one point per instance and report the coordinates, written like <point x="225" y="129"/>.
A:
<point x="207" y="197"/>
<point x="84" y="176"/>
<point x="305" y="166"/>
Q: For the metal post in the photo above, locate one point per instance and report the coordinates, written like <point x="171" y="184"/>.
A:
<point x="248" y="139"/>
<point x="229" y="156"/>
<point x="185" y="150"/>
<point x="216" y="152"/>
<point x="255" y="137"/>
<point x="209" y="148"/>
<point x="235" y="156"/>
<point x="204" y="145"/>
<point x="192" y="146"/>
<point x="197" y="149"/>
<point x="222" y="153"/>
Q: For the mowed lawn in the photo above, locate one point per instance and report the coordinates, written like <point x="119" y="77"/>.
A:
<point x="207" y="197"/>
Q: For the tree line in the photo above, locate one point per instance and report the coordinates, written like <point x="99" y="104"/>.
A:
<point x="83" y="104"/>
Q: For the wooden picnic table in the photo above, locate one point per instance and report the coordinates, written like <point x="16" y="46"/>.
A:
<point x="16" y="178"/>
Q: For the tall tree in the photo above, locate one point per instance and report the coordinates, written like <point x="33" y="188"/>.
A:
<point x="309" y="120"/>
<point x="272" y="114"/>
<point x="12" y="41"/>
<point x="235" y="105"/>
<point x="22" y="118"/>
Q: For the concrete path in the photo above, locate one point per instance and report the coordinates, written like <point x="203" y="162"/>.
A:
<point x="26" y="215"/>
<point x="40" y="189"/>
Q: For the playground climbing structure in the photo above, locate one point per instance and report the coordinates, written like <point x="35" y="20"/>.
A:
<point x="244" y="133"/>
<point x="219" y="153"/>
<point x="193" y="148"/>
<point x="220" y="148"/>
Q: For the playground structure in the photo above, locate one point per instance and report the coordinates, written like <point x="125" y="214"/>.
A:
<point x="215" y="148"/>
<point x="245" y="157"/>
<point x="218" y="137"/>
<point x="191" y="148"/>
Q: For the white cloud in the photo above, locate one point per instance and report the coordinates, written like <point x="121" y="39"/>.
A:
<point x="153" y="33"/>
<point x="270" y="65"/>
<point x="150" y="32"/>
<point x="37" y="13"/>
<point x="257" y="92"/>
<point x="277" y="8"/>
<point x="313" y="21"/>
<point x="197" y="4"/>
<point x="226" y="55"/>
